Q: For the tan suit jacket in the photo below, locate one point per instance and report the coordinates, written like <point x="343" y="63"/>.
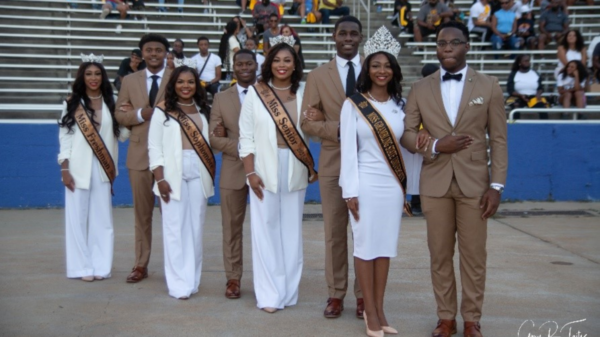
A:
<point x="324" y="91"/>
<point x="134" y="90"/>
<point x="470" y="166"/>
<point x="226" y="109"/>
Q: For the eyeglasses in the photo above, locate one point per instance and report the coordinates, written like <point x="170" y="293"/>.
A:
<point x="453" y="43"/>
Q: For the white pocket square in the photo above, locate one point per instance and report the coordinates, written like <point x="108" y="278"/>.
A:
<point x="476" y="101"/>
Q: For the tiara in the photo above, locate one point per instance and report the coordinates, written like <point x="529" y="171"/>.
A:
<point x="92" y="58"/>
<point x="280" y="38"/>
<point x="382" y="40"/>
<point x="184" y="62"/>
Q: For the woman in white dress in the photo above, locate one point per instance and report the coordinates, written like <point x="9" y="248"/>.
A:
<point x="571" y="48"/>
<point x="277" y="181"/>
<point x="372" y="191"/>
<point x="88" y="209"/>
<point x="183" y="181"/>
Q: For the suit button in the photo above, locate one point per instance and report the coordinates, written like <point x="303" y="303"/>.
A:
<point x="454" y="155"/>
<point x="454" y="134"/>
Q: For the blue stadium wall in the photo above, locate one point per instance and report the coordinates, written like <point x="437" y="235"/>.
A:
<point x="558" y="162"/>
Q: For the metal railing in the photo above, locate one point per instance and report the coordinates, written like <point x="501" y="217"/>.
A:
<point x="574" y="111"/>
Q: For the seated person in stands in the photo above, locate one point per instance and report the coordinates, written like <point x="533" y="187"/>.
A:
<point x="572" y="85"/>
<point x="571" y="48"/>
<point x="163" y="9"/>
<point x="261" y="13"/>
<point x="524" y="86"/>
<point x="430" y="16"/>
<point x="208" y="66"/>
<point x="479" y="19"/>
<point x="178" y="46"/>
<point x="554" y="23"/>
<point x="170" y="60"/>
<point x="526" y="29"/>
<point x="596" y="63"/>
<point x="128" y="66"/>
<point x="504" y="27"/>
<point x="332" y="7"/>
<point x="120" y="6"/>
<point x="273" y="31"/>
<point x="251" y="44"/>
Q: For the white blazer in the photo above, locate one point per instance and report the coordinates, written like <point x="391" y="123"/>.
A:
<point x="76" y="149"/>
<point x="165" y="149"/>
<point x="258" y="136"/>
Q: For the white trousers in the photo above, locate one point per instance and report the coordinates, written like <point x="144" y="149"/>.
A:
<point x="276" y="224"/>
<point x="182" y="231"/>
<point x="89" y="231"/>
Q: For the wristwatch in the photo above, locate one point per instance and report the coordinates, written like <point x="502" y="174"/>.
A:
<point x="498" y="189"/>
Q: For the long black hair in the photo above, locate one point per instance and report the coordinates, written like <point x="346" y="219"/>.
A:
<point x="517" y="64"/>
<point x="579" y="43"/>
<point x="267" y="72"/>
<point x="583" y="74"/>
<point x="394" y="87"/>
<point x="224" y="45"/>
<point x="79" y="96"/>
<point x="171" y="95"/>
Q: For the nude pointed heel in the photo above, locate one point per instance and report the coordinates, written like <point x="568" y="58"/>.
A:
<point x="371" y="333"/>
<point x="389" y="330"/>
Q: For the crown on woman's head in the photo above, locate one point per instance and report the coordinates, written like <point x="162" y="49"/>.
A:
<point x="92" y="58"/>
<point x="384" y="41"/>
<point x="280" y="38"/>
<point x="184" y="62"/>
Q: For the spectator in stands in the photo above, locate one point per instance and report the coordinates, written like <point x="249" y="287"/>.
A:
<point x="504" y="27"/>
<point x="430" y="17"/>
<point x="554" y="23"/>
<point x="163" y="9"/>
<point x="262" y="14"/>
<point x="138" y="5"/>
<point x="271" y="32"/>
<point x="279" y="4"/>
<point x="129" y="65"/>
<point x="403" y="18"/>
<point x="170" y="60"/>
<point x="572" y="84"/>
<point x="525" y="86"/>
<point x="332" y="7"/>
<point x="243" y="5"/>
<point x="120" y="6"/>
<point x="251" y="44"/>
<point x="208" y="66"/>
<point x="228" y="47"/>
<point x="244" y="32"/>
<point x="480" y="20"/>
<point x="299" y="6"/>
<point x="526" y="30"/>
<point x="571" y="48"/>
<point x="516" y="6"/>
<point x="596" y="62"/>
<point x="178" y="46"/>
<point x="313" y="15"/>
<point x="286" y="30"/>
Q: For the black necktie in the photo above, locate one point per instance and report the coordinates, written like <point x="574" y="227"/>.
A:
<point x="448" y="76"/>
<point x="245" y="91"/>
<point x="153" y="89"/>
<point x="350" y="80"/>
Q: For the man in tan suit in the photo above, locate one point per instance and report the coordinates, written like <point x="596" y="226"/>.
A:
<point x="326" y="89"/>
<point x="225" y="134"/>
<point x="139" y="94"/>
<point x="459" y="107"/>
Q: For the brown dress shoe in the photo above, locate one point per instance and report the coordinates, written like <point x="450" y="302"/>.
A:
<point x="233" y="289"/>
<point x="334" y="308"/>
<point x="137" y="274"/>
<point x="473" y="329"/>
<point x="360" y="308"/>
<point x="444" y="328"/>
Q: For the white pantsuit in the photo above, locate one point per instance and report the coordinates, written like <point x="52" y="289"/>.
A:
<point x="182" y="231"/>
<point x="366" y="175"/>
<point x="276" y="224"/>
<point x="89" y="228"/>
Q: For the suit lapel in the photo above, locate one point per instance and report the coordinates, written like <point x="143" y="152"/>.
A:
<point x="470" y="82"/>
<point x="143" y="84"/>
<point x="160" y="96"/>
<point x="437" y="95"/>
<point x="235" y="100"/>
<point x="334" y="74"/>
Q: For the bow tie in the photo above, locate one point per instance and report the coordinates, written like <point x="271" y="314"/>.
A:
<point x="448" y="76"/>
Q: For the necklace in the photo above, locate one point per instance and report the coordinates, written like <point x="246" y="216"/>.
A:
<point x="98" y="97"/>
<point x="184" y="104"/>
<point x="373" y="98"/>
<point x="277" y="88"/>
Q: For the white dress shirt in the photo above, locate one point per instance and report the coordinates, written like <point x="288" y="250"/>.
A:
<point x="149" y="86"/>
<point x="342" y="66"/>
<point x="241" y="93"/>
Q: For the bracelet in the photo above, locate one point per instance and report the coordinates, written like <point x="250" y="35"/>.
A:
<point x="249" y="174"/>
<point x="64" y="170"/>
<point x="159" y="181"/>
<point x="346" y="200"/>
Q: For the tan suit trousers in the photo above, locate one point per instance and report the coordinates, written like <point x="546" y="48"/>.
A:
<point x="448" y="218"/>
<point x="233" y="212"/>
<point x="143" y="206"/>
<point x="335" y="216"/>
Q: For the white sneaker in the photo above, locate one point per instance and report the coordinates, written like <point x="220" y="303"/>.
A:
<point x="119" y="28"/>
<point x="145" y="21"/>
<point x="105" y="12"/>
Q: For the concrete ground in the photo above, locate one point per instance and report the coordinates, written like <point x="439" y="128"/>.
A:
<point x="543" y="273"/>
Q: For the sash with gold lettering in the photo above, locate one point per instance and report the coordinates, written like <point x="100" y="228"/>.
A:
<point x="91" y="135"/>
<point x="385" y="139"/>
<point x="194" y="135"/>
<point x="287" y="129"/>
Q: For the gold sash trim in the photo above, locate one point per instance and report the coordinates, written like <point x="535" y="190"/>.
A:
<point x="287" y="129"/>
<point x="194" y="135"/>
<point x="385" y="139"/>
<point x="91" y="135"/>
